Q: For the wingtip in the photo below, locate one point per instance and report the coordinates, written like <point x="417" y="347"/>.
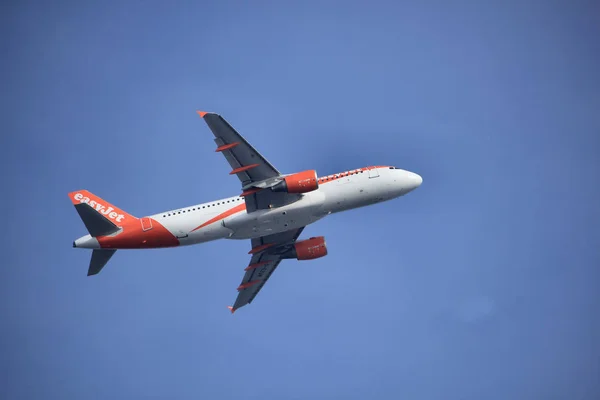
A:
<point x="202" y="113"/>
<point x="231" y="309"/>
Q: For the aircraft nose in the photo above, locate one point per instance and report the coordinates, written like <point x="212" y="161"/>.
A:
<point x="414" y="181"/>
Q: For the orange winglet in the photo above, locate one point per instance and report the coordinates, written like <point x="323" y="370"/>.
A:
<point x="256" y="265"/>
<point x="227" y="146"/>
<point x="201" y="113"/>
<point x="244" y="168"/>
<point x="250" y="191"/>
<point x="260" y="248"/>
<point x="231" y="309"/>
<point x="247" y="285"/>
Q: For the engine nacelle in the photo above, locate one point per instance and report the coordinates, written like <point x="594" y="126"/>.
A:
<point x="308" y="249"/>
<point x="301" y="182"/>
<point x="312" y="248"/>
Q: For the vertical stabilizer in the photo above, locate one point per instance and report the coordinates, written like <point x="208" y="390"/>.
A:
<point x="100" y="219"/>
<point x="109" y="211"/>
<point x="96" y="223"/>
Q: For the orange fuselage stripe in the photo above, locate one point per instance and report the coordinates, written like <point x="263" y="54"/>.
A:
<point x="223" y="215"/>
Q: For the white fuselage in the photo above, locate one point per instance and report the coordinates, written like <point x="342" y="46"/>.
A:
<point x="227" y="218"/>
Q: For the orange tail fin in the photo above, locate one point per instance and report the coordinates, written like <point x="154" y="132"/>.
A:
<point x="104" y="208"/>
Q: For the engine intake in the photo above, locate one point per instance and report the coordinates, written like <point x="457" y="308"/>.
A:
<point x="301" y="182"/>
<point x="308" y="249"/>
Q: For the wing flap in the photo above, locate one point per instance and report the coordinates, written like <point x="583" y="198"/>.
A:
<point x="252" y="169"/>
<point x="238" y="152"/>
<point x="262" y="264"/>
<point x="253" y="282"/>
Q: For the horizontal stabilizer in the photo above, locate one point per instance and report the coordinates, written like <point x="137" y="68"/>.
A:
<point x="99" y="260"/>
<point x="96" y="223"/>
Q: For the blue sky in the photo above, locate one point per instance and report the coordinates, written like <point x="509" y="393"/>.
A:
<point x="483" y="283"/>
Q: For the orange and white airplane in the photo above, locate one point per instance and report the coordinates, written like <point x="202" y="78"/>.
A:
<point x="271" y="211"/>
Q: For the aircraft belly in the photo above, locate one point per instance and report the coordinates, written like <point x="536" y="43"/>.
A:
<point x="343" y="196"/>
<point x="254" y="229"/>
<point x="358" y="193"/>
<point x="183" y="229"/>
<point x="266" y="222"/>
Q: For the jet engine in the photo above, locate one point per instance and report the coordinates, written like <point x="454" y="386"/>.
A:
<point x="308" y="249"/>
<point x="301" y="182"/>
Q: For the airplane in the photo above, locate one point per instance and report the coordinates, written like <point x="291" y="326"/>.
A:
<point x="271" y="211"/>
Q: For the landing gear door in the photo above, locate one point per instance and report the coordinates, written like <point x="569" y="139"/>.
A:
<point x="374" y="173"/>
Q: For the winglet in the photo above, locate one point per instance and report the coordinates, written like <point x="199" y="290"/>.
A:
<point x="231" y="309"/>
<point x="202" y="113"/>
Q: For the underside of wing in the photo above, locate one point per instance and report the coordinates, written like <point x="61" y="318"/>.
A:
<point x="266" y="199"/>
<point x="247" y="163"/>
<point x="255" y="173"/>
<point x="266" y="256"/>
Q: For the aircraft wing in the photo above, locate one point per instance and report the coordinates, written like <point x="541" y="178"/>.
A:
<point x="252" y="169"/>
<point x="264" y="261"/>
<point x="247" y="163"/>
